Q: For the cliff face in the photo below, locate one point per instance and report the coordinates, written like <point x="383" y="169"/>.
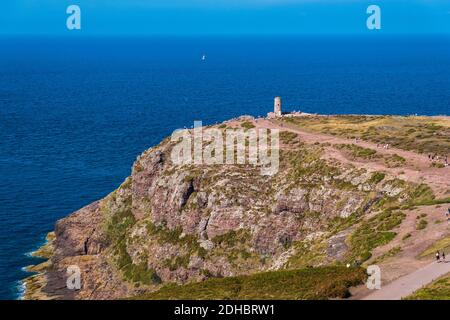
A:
<point x="170" y="223"/>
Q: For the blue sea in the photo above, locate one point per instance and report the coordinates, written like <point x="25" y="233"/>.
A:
<point x="75" y="112"/>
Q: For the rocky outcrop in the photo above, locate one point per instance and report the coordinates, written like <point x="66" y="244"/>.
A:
<point x="80" y="234"/>
<point x="170" y="223"/>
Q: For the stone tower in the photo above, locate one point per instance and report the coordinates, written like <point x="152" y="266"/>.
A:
<point x="277" y="107"/>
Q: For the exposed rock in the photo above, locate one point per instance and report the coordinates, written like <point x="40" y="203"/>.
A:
<point x="337" y="247"/>
<point x="207" y="245"/>
<point x="80" y="233"/>
<point x="169" y="223"/>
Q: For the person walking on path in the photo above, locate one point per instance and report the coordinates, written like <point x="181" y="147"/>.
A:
<point x="438" y="257"/>
<point x="443" y="256"/>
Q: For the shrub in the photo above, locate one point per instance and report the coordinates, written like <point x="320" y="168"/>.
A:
<point x="406" y="236"/>
<point x="377" y="177"/>
<point x="422" y="224"/>
<point x="247" y="125"/>
<point x="288" y="137"/>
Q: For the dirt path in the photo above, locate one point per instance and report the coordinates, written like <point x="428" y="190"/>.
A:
<point x="411" y="242"/>
<point x="417" y="169"/>
<point x="410" y="283"/>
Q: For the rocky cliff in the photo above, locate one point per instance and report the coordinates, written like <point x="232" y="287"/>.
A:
<point x="169" y="223"/>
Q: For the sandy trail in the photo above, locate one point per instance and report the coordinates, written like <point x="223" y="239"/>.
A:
<point x="417" y="168"/>
<point x="410" y="283"/>
<point x="416" y="241"/>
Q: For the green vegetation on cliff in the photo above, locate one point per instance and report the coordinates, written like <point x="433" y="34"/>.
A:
<point x="117" y="231"/>
<point x="440" y="245"/>
<point x="373" y="233"/>
<point x="421" y="134"/>
<point x="304" y="284"/>
<point x="358" y="152"/>
<point x="438" y="290"/>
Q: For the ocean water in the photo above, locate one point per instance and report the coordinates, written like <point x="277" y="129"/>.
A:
<point x="75" y="112"/>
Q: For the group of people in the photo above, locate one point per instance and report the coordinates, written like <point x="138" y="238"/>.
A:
<point x="384" y="146"/>
<point x="435" y="158"/>
<point x="439" y="256"/>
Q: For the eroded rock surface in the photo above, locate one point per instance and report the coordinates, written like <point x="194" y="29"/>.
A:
<point x="169" y="223"/>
